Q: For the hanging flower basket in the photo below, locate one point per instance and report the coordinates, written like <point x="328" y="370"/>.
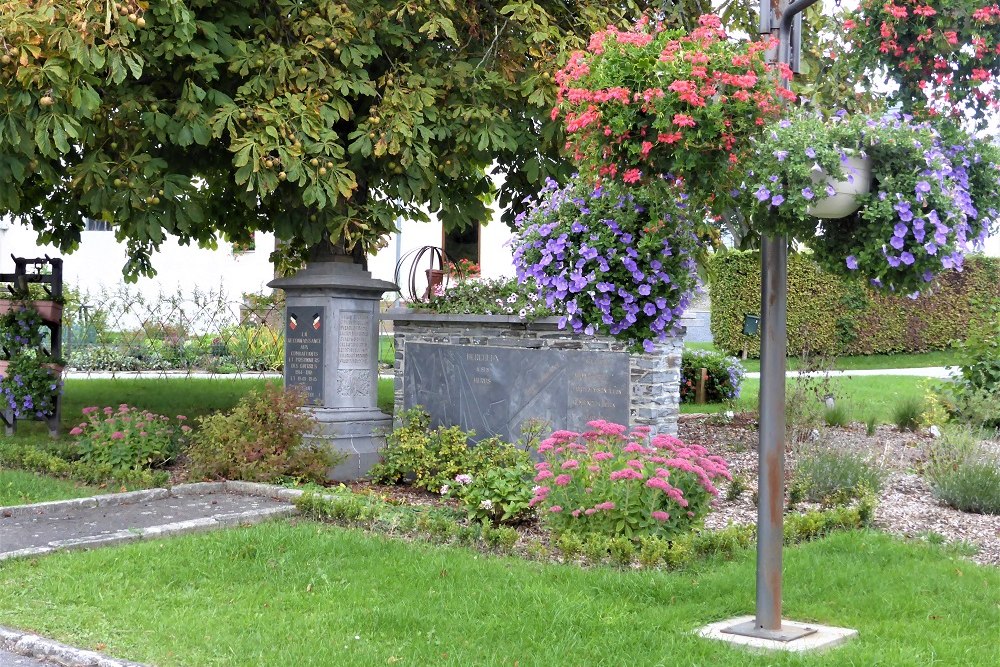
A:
<point x="845" y="201"/>
<point x="50" y="311"/>
<point x="930" y="195"/>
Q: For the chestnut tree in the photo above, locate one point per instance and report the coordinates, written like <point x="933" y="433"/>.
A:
<point x="313" y="119"/>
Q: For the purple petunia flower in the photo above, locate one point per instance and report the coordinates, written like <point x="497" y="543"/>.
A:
<point x="852" y="262"/>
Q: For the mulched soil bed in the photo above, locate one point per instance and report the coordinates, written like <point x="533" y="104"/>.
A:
<point x="906" y="505"/>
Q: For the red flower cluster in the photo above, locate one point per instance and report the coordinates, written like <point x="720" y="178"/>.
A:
<point x="944" y="54"/>
<point x="646" y="102"/>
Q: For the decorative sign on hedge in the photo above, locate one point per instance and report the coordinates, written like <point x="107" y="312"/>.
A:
<point x="492" y="390"/>
<point x="304" y="351"/>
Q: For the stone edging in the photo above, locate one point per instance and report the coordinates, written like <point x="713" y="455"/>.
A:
<point x="40" y="648"/>
<point x="152" y="532"/>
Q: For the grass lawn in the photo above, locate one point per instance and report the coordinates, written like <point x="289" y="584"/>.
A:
<point x="875" y="395"/>
<point x="190" y="397"/>
<point x="20" y="488"/>
<point x="309" y="594"/>
<point x="866" y="362"/>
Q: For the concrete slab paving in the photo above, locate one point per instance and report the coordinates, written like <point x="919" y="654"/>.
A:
<point x="8" y="659"/>
<point x="30" y="530"/>
<point x="822" y="637"/>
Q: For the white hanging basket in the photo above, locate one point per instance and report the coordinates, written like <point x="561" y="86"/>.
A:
<point x="845" y="201"/>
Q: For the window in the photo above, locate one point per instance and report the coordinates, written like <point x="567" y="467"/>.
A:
<point x="462" y="244"/>
<point x="96" y="225"/>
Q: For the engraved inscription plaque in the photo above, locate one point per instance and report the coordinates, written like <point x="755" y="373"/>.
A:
<point x="493" y="390"/>
<point x="304" y="351"/>
<point x="354" y="339"/>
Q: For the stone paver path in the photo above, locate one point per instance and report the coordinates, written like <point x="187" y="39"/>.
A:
<point x="8" y="659"/>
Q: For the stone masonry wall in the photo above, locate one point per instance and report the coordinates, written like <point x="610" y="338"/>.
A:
<point x="654" y="391"/>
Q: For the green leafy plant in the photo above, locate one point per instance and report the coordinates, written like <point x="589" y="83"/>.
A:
<point x="263" y="439"/>
<point x="834" y="477"/>
<point x="736" y="488"/>
<point x="615" y="482"/>
<point x="128" y="438"/>
<point x="433" y="458"/>
<point x="871" y="424"/>
<point x="725" y="375"/>
<point x="499" y="495"/>
<point x="871" y="321"/>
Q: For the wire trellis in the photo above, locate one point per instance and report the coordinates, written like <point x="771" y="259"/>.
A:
<point x="122" y="333"/>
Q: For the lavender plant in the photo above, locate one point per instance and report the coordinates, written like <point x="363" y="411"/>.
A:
<point x="619" y="259"/>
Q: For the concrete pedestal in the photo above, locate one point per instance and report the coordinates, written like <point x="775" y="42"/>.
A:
<point x="331" y="355"/>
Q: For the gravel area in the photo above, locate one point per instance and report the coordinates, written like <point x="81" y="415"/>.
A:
<point x="906" y="504"/>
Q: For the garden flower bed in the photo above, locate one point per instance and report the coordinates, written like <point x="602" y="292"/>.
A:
<point x="906" y="505"/>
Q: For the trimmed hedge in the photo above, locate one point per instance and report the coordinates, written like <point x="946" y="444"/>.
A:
<point x="831" y="315"/>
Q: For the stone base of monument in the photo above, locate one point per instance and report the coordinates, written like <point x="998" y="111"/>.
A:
<point x="358" y="433"/>
<point x="794" y="637"/>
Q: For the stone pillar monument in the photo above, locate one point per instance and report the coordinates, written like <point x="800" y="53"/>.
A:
<point x="331" y="355"/>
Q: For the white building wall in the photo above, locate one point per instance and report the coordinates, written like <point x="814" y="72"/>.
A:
<point x="97" y="264"/>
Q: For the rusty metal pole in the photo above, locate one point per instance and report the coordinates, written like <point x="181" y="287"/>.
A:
<point x="776" y="15"/>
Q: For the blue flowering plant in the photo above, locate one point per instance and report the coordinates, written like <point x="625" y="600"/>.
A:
<point x="29" y="386"/>
<point x="21" y="326"/>
<point x="620" y="260"/>
<point x="934" y="195"/>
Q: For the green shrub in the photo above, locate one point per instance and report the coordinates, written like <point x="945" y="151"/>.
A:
<point x="432" y="459"/>
<point x="906" y="414"/>
<point x="962" y="473"/>
<point x="261" y="440"/>
<point x="500" y="495"/>
<point x="724" y="376"/>
<point x="828" y="314"/>
<point x="833" y="477"/>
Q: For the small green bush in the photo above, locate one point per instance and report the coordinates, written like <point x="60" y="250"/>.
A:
<point x="433" y="459"/>
<point x="906" y="413"/>
<point x="839" y="415"/>
<point x="725" y="374"/>
<point x="970" y="486"/>
<point x="833" y="477"/>
<point x="261" y="440"/>
<point x="962" y="474"/>
<point x="500" y="495"/>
